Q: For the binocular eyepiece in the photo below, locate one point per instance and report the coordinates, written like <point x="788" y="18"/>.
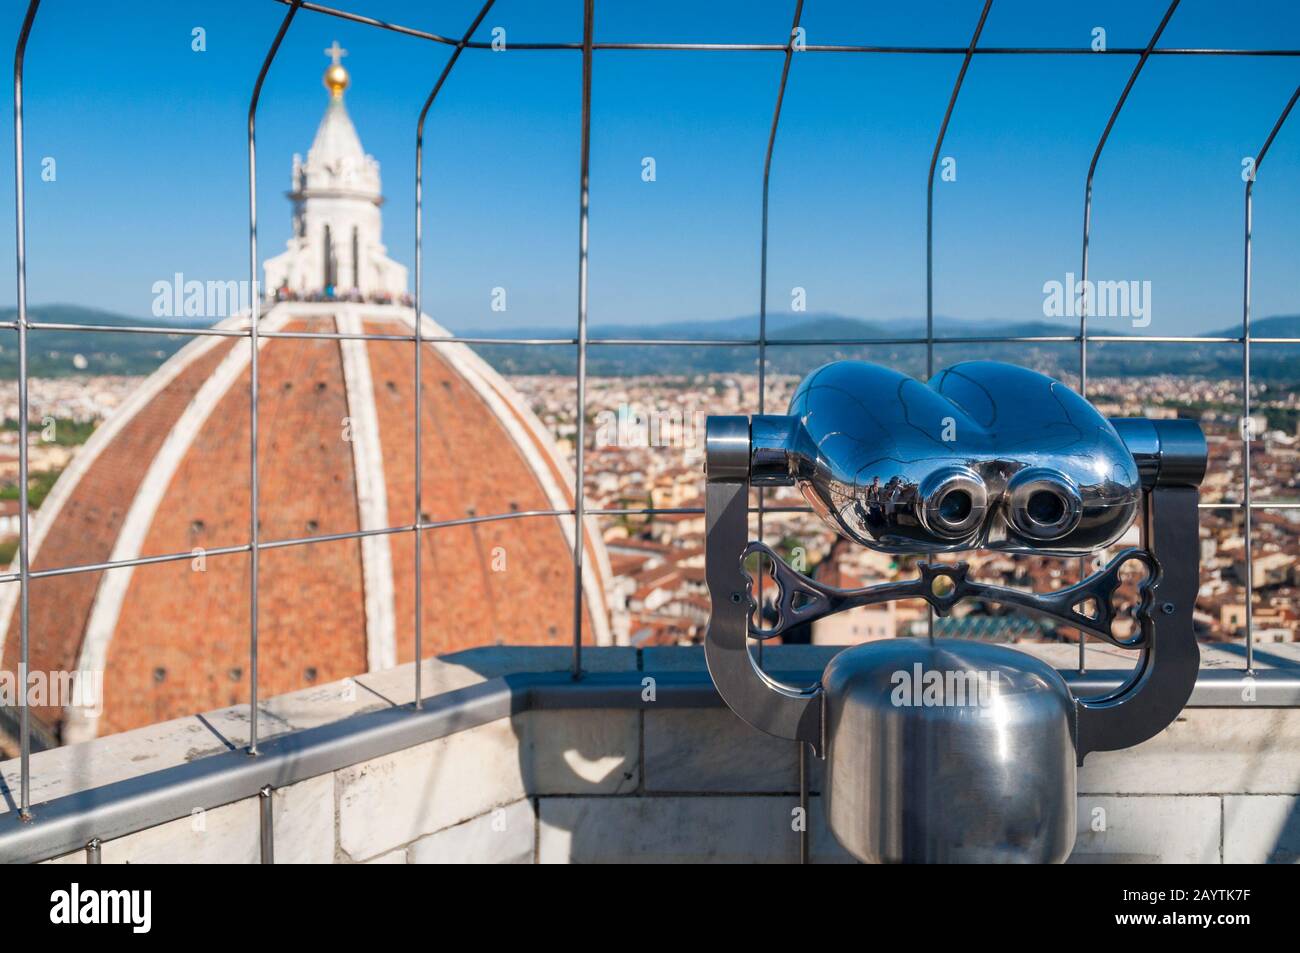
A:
<point x="1040" y="504"/>
<point x="953" y="502"/>
<point x="1043" y="504"/>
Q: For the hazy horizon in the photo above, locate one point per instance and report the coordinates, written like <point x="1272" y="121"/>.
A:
<point x="1098" y="326"/>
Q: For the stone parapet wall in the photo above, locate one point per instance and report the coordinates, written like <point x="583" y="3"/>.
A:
<point x="658" y="784"/>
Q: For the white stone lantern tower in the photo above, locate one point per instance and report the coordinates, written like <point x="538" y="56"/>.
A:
<point x="336" y="250"/>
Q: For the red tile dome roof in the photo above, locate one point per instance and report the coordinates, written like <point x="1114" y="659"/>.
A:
<point x="169" y="471"/>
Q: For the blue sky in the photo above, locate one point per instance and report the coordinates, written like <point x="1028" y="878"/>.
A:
<point x="148" y="137"/>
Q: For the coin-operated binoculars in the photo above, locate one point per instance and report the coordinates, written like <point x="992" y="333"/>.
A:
<point x="945" y="750"/>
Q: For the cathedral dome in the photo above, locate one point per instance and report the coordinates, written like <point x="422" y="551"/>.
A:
<point x="168" y="473"/>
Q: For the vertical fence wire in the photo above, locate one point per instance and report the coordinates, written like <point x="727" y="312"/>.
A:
<point x="804" y="749"/>
<point x="1246" y="425"/>
<point x="419" y="344"/>
<point x="580" y="461"/>
<point x="762" y="267"/>
<point x="1087" y="233"/>
<point x="253" y="320"/>
<point x="762" y="364"/>
<point x="929" y="222"/>
<point x="24" y="516"/>
<point x="266" y="823"/>
<point x="929" y="192"/>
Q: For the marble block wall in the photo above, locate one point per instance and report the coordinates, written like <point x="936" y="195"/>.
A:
<point x="674" y="785"/>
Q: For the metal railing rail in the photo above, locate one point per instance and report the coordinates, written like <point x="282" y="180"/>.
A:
<point x="582" y="341"/>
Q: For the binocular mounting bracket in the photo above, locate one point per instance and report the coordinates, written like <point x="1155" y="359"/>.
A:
<point x="1087" y="605"/>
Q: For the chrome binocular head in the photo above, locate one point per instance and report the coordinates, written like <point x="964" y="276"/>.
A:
<point x="986" y="455"/>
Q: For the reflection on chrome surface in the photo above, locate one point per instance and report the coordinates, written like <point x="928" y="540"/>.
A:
<point x="986" y="455"/>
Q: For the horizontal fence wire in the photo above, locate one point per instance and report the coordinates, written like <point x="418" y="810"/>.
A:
<point x="182" y="331"/>
<point x="603" y="512"/>
<point x="598" y="46"/>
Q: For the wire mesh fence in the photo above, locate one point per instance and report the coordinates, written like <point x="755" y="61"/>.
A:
<point x="785" y="49"/>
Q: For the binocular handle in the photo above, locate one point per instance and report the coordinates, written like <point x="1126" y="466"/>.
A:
<point x="759" y="699"/>
<point x="1167" y="665"/>
<point x="1171" y="456"/>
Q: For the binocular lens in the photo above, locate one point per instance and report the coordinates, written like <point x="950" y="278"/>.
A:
<point x="1045" y="508"/>
<point x="1043" y="505"/>
<point x="953" y="503"/>
<point x="955" y="507"/>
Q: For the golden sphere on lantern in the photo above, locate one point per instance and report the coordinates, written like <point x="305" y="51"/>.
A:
<point x="336" y="79"/>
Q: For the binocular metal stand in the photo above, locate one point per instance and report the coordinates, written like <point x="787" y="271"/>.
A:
<point x="1171" y="459"/>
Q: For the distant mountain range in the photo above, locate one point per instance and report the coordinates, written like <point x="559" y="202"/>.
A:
<point x="58" y="353"/>
<point x="1268" y="362"/>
